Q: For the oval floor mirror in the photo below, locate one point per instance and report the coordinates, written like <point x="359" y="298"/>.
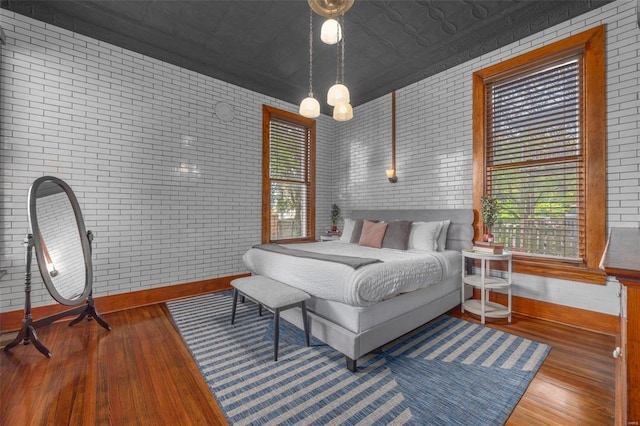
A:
<point x="63" y="252"/>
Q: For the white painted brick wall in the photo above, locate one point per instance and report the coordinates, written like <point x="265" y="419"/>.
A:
<point x="111" y="122"/>
<point x="172" y="193"/>
<point x="434" y="144"/>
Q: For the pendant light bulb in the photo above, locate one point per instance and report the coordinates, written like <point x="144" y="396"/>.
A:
<point x="343" y="112"/>
<point x="338" y="94"/>
<point x="331" y="33"/>
<point x="310" y="107"/>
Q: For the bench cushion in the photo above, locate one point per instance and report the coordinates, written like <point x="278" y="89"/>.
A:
<point x="270" y="293"/>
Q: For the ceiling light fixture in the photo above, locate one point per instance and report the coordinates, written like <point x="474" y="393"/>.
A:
<point x="338" y="94"/>
<point x="310" y="107"/>
<point x="331" y="33"/>
<point x="343" y="112"/>
<point x="330" y="8"/>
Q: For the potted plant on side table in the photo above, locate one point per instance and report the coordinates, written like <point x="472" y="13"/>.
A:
<point x="489" y="210"/>
<point x="336" y="216"/>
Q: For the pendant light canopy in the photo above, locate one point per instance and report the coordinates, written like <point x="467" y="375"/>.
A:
<point x="330" y="8"/>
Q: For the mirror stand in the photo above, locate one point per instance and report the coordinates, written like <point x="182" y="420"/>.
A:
<point x="89" y="310"/>
<point x="27" y="333"/>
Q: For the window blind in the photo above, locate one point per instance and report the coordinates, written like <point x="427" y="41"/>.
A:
<point x="289" y="177"/>
<point x="534" y="160"/>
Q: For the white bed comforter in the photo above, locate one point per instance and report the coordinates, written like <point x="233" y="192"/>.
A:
<point x="399" y="272"/>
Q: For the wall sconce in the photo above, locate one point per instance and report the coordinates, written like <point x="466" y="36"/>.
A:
<point x="391" y="173"/>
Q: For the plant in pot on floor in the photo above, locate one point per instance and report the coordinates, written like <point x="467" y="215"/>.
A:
<point x="336" y="216"/>
<point x="489" y="210"/>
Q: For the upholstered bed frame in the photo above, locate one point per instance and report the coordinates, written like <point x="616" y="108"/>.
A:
<point x="356" y="331"/>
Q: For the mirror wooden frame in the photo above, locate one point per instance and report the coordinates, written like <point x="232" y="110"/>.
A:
<point x="27" y="333"/>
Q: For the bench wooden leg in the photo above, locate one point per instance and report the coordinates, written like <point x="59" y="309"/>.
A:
<point x="276" y="332"/>
<point x="235" y="302"/>
<point x="305" y="322"/>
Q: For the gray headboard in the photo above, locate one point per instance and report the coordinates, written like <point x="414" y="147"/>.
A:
<point x="459" y="236"/>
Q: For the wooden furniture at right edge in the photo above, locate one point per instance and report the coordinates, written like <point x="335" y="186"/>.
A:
<point x="621" y="260"/>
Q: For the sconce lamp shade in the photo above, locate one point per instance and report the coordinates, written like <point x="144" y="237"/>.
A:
<point x="331" y="33"/>
<point x="310" y="107"/>
<point x="343" y="112"/>
<point x="338" y="94"/>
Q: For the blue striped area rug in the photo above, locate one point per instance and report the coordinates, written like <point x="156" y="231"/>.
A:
<point x="449" y="372"/>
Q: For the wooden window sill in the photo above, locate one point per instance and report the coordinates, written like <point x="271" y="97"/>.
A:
<point x="554" y="269"/>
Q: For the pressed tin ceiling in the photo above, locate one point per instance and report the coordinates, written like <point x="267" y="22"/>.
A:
<point x="262" y="45"/>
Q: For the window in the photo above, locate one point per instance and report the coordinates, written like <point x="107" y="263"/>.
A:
<point x="288" y="184"/>
<point x="539" y="148"/>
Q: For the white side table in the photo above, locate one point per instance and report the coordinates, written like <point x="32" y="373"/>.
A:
<point x="485" y="282"/>
<point x="329" y="237"/>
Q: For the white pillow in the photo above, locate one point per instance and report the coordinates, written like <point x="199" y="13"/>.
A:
<point x="442" y="238"/>
<point x="347" y="230"/>
<point x="424" y="236"/>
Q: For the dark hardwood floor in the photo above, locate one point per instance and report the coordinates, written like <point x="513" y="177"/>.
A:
<point x="140" y="373"/>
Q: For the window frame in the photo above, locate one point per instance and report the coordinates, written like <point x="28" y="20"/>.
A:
<point x="268" y="113"/>
<point x="592" y="45"/>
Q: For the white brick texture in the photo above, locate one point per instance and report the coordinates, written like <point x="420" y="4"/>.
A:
<point x="171" y="192"/>
<point x="434" y="144"/>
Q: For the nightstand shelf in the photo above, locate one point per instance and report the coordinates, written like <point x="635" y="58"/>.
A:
<point x="490" y="283"/>
<point x="485" y="282"/>
<point x="491" y="309"/>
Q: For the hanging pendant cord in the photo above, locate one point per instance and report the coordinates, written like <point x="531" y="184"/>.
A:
<point x="310" y="53"/>
<point x="341" y="23"/>
<point x="338" y="50"/>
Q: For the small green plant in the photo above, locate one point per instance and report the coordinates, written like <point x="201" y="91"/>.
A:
<point x="489" y="212"/>
<point x="336" y="214"/>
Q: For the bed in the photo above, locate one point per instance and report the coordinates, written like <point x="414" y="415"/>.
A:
<point x="358" y="309"/>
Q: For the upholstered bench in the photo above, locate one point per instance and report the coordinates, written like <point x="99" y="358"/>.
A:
<point x="273" y="295"/>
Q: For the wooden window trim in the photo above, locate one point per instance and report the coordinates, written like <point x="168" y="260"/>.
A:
<point x="267" y="113"/>
<point x="592" y="44"/>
